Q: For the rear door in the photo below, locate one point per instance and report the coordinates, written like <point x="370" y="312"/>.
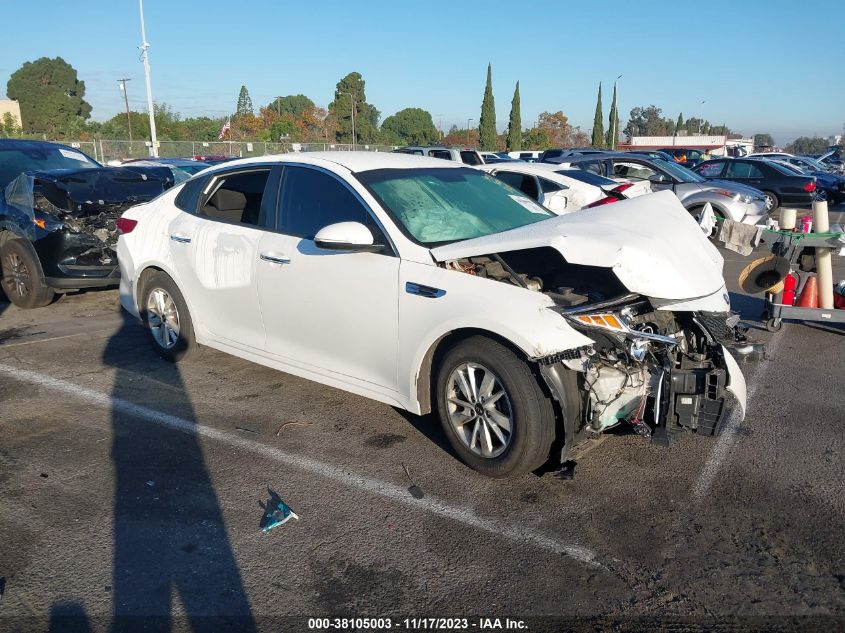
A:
<point x="332" y="312"/>
<point x="215" y="253"/>
<point x="745" y="172"/>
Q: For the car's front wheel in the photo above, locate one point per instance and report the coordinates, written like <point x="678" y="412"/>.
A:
<point x="166" y="317"/>
<point x="21" y="275"/>
<point x="493" y="411"/>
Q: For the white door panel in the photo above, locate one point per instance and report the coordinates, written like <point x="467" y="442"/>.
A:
<point x="332" y="310"/>
<point x="216" y="263"/>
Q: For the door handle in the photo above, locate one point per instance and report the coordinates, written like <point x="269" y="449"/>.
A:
<point x="274" y="259"/>
<point x="181" y="239"/>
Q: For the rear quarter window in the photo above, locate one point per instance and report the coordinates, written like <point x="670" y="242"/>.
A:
<point x="188" y="198"/>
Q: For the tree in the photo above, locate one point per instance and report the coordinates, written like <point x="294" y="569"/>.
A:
<point x="598" y="123"/>
<point x="679" y="124"/>
<point x="10" y="126"/>
<point x="535" y="138"/>
<point x="412" y="126"/>
<point x="763" y="139"/>
<point x="647" y="121"/>
<point x="805" y="145"/>
<point x="50" y="96"/>
<point x="556" y="127"/>
<point x="514" y="138"/>
<point x="366" y="115"/>
<point x="487" y="122"/>
<point x="613" y="123"/>
<point x="295" y="105"/>
<point x="244" y="103"/>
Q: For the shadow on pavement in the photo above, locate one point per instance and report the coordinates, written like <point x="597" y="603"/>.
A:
<point x="170" y="540"/>
<point x="68" y="617"/>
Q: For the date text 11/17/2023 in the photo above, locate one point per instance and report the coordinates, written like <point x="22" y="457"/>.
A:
<point x="417" y="624"/>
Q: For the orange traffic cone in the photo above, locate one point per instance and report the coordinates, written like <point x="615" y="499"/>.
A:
<point x="810" y="294"/>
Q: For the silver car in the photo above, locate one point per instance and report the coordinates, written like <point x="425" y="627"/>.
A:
<point x="728" y="199"/>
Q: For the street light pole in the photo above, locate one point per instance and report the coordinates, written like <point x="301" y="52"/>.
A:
<point x="352" y="103"/>
<point x="468" y="135"/>
<point x="145" y="58"/>
<point x="701" y="114"/>
<point x="122" y="83"/>
<point x="440" y="124"/>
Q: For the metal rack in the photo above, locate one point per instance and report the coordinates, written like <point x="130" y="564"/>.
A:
<point x="789" y="244"/>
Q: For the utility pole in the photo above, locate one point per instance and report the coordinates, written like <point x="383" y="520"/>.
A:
<point x="440" y="124"/>
<point x="145" y="58"/>
<point x="279" y="106"/>
<point x="352" y="102"/>
<point x="122" y="83"/>
<point x="469" y="137"/>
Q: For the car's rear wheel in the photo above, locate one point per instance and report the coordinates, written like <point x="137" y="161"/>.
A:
<point x="493" y="411"/>
<point x="21" y="278"/>
<point x="771" y="200"/>
<point x="166" y="317"/>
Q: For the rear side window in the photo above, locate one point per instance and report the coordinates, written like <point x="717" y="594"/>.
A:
<point x="741" y="169"/>
<point x="235" y="197"/>
<point x="710" y="170"/>
<point x="440" y="153"/>
<point x="312" y="200"/>
<point x="188" y="198"/>
<point x="471" y="158"/>
<point x="522" y="182"/>
<point x="547" y="186"/>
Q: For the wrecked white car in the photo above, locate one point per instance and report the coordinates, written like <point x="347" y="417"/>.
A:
<point x="435" y="287"/>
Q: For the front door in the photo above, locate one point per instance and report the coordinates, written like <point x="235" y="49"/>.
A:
<point x="332" y="312"/>
<point x="215" y="253"/>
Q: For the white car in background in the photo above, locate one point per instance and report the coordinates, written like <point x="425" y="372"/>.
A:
<point x="431" y="286"/>
<point x="560" y="190"/>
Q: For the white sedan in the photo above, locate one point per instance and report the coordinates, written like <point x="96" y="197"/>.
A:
<point x="563" y="190"/>
<point x="429" y="285"/>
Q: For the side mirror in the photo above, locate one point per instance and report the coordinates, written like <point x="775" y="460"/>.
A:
<point x="658" y="179"/>
<point x="347" y="236"/>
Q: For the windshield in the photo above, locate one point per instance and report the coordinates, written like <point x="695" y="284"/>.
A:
<point x="16" y="160"/>
<point x="437" y="206"/>
<point x="811" y="163"/>
<point x="679" y="172"/>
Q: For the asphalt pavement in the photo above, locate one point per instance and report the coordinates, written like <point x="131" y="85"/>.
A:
<point x="134" y="487"/>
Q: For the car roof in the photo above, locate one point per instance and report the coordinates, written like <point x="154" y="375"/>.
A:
<point x="353" y="161"/>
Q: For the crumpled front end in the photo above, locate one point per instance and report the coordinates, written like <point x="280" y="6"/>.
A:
<point x="661" y="372"/>
<point x="70" y="217"/>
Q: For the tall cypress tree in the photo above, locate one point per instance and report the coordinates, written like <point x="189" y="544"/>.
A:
<point x="487" y="123"/>
<point x="598" y="123"/>
<point x="679" y="124"/>
<point x="514" y="140"/>
<point x="613" y="123"/>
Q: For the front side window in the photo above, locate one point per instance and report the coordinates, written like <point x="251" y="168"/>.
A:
<point x="312" y="200"/>
<point x="633" y="171"/>
<point x="438" y="206"/>
<point x="235" y="197"/>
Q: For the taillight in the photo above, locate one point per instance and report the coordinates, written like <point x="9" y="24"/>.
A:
<point x="125" y="225"/>
<point x="619" y="192"/>
<point x="601" y="202"/>
<point x="810" y="186"/>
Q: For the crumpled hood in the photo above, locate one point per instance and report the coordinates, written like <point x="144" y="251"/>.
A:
<point x="651" y="242"/>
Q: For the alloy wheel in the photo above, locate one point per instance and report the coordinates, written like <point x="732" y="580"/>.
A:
<point x="16" y="276"/>
<point x="770" y="202"/>
<point x="163" y="318"/>
<point x="479" y="410"/>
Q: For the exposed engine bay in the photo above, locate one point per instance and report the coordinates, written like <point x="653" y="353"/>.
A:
<point x="659" y="371"/>
<point x="84" y="204"/>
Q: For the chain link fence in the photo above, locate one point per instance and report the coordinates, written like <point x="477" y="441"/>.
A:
<point x="108" y="150"/>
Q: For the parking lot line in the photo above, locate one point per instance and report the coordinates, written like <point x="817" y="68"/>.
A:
<point x="729" y="435"/>
<point x="387" y="490"/>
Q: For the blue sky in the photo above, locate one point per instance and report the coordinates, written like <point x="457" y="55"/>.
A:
<point x="760" y="65"/>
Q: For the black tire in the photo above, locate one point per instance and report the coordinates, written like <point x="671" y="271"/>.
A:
<point x="531" y="412"/>
<point x="775" y="201"/>
<point x="21" y="276"/>
<point x="184" y="344"/>
<point x="774" y="325"/>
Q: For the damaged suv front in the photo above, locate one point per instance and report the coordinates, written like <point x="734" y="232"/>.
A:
<point x="642" y="284"/>
<point x="58" y="224"/>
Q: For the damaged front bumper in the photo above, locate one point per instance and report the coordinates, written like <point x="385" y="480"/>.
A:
<point x="73" y="260"/>
<point x="663" y="373"/>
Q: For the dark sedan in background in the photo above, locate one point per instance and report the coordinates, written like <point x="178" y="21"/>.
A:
<point x="779" y="185"/>
<point x="59" y="213"/>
